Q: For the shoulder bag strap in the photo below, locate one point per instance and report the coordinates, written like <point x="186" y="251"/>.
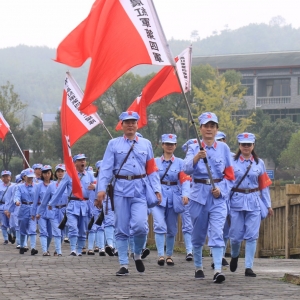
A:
<point x="241" y="180"/>
<point x="169" y="166"/>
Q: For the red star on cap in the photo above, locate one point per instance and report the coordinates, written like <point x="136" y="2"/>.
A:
<point x="209" y="116"/>
<point x="170" y="136"/>
<point x="246" y="135"/>
<point x="195" y="141"/>
<point x="130" y="113"/>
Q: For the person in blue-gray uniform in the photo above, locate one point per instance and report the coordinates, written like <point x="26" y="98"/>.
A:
<point x="130" y="160"/>
<point x="37" y="172"/>
<point x="221" y="137"/>
<point x="23" y="197"/>
<point x="77" y="209"/>
<point x="249" y="194"/>
<point x="4" y="195"/>
<point x="55" y="214"/>
<point x="208" y="207"/>
<point x="44" y="222"/>
<point x="10" y="211"/>
<point x="175" y="191"/>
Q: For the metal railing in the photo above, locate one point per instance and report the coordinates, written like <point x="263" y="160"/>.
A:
<point x="273" y="100"/>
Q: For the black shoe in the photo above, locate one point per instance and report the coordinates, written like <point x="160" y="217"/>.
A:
<point x="21" y="251"/>
<point x="102" y="253"/>
<point x="5" y="243"/>
<point x="91" y="252"/>
<point x="13" y="239"/>
<point x="145" y="253"/>
<point x="189" y="257"/>
<point x="199" y="274"/>
<point x="213" y="266"/>
<point x="26" y="248"/>
<point x="139" y="266"/>
<point x="96" y="250"/>
<point x="66" y="240"/>
<point x="73" y="254"/>
<point x="170" y="261"/>
<point x="122" y="272"/>
<point x="9" y="237"/>
<point x="109" y="250"/>
<point x="249" y="273"/>
<point x="225" y="262"/>
<point x="18" y="247"/>
<point x="161" y="261"/>
<point x="234" y="264"/>
<point x="34" y="252"/>
<point x="219" y="277"/>
<point x="83" y="251"/>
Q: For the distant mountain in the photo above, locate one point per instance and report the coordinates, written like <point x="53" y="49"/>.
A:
<point x="39" y="80"/>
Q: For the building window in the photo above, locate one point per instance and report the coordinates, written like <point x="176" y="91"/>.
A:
<point x="274" y="87"/>
<point x="248" y="83"/>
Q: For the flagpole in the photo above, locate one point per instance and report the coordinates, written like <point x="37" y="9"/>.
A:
<point x="107" y="131"/>
<point x="194" y="126"/>
<point x="19" y="148"/>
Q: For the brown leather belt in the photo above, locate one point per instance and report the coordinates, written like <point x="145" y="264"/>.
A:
<point x="129" y="177"/>
<point x="77" y="199"/>
<point x="168" y="182"/>
<point x="27" y="203"/>
<point x="206" y="181"/>
<point x="60" y="206"/>
<point x="245" y="191"/>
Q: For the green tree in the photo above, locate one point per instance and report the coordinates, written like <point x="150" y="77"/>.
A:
<point x="274" y="138"/>
<point x="11" y="107"/>
<point x="290" y="156"/>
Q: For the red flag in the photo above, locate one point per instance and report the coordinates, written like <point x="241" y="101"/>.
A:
<point x="74" y="124"/>
<point x="117" y="35"/>
<point x="165" y="82"/>
<point x="4" y="127"/>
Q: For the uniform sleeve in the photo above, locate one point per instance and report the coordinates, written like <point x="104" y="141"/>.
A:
<point x="264" y="182"/>
<point x="11" y="203"/>
<point x="106" y="171"/>
<point x="17" y="196"/>
<point x="66" y="182"/>
<point x="153" y="175"/>
<point x="188" y="163"/>
<point x="227" y="183"/>
<point x="37" y="190"/>
<point x="184" y="180"/>
<point x="7" y="197"/>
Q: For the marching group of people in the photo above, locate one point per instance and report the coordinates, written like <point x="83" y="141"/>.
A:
<point x="219" y="195"/>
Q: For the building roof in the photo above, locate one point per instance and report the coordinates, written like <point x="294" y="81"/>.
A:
<point x="250" y="61"/>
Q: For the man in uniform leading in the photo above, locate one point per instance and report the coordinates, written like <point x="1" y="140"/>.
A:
<point x="130" y="160"/>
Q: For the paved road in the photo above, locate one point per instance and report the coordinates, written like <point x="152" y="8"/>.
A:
<point x="93" y="277"/>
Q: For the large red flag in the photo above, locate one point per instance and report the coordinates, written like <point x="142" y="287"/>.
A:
<point x="4" y="127"/>
<point x="117" y="35"/>
<point x="165" y="82"/>
<point x="74" y="124"/>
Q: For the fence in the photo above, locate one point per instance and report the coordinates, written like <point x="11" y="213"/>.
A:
<point x="279" y="235"/>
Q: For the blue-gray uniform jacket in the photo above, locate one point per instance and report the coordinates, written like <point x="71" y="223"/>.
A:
<point x="256" y="178"/>
<point x="8" y="196"/>
<point x="3" y="194"/>
<point x="139" y="162"/>
<point x="220" y="161"/>
<point x="75" y="207"/>
<point x="38" y="196"/>
<point x="174" y="174"/>
<point x="43" y="208"/>
<point x="25" y="195"/>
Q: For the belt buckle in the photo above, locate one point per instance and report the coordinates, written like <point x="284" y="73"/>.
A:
<point x="207" y="181"/>
<point x="168" y="183"/>
<point x="129" y="177"/>
<point x="247" y="191"/>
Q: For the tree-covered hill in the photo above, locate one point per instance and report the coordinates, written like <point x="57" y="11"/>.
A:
<point x="39" y="80"/>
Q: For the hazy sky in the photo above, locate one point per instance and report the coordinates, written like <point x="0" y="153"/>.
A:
<point x="47" y="22"/>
